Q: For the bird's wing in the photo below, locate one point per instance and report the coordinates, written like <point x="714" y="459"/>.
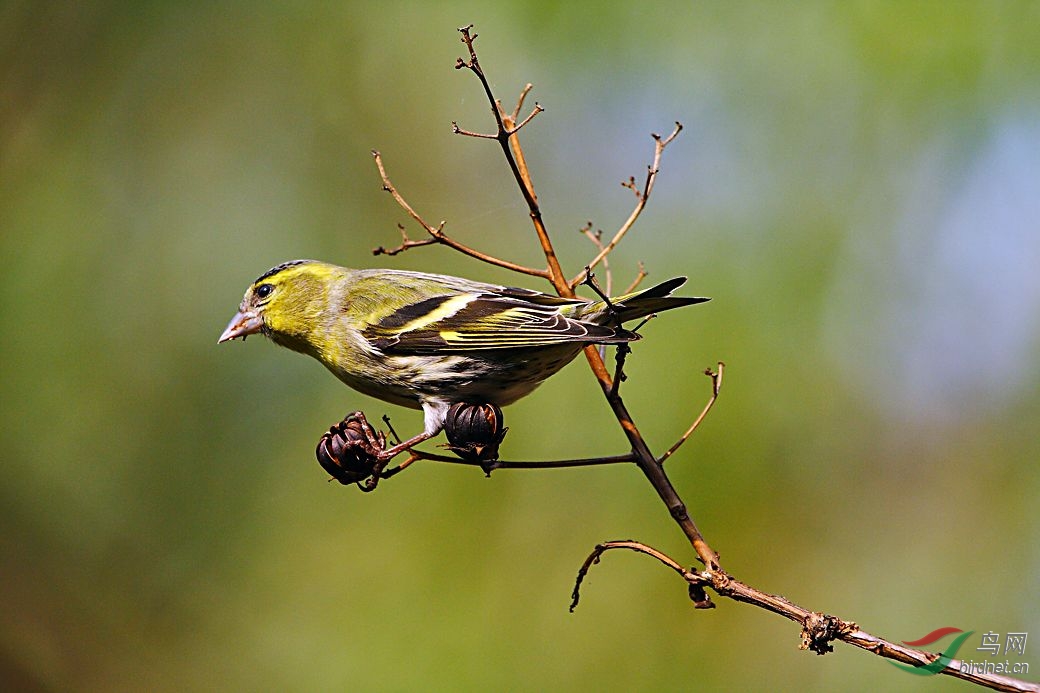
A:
<point x="472" y="321"/>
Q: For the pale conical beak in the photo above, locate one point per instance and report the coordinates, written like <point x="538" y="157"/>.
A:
<point x="245" y="323"/>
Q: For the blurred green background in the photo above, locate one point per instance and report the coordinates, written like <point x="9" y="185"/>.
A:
<point x="857" y="187"/>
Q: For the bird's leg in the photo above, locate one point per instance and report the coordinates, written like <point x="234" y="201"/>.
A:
<point x="388" y="454"/>
<point x="381" y="457"/>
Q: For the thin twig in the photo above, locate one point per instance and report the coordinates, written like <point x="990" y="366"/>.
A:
<point x="596" y="237"/>
<point x="818" y="630"/>
<point x="509" y="120"/>
<point x="437" y="232"/>
<point x="639" y="547"/>
<point x="508" y="143"/>
<point x="406" y="244"/>
<point x="640" y="276"/>
<point x="716" y="386"/>
<point x="415" y="454"/>
<point x="590" y="281"/>
<point x="511" y="464"/>
<point x="641" y="199"/>
<point x="509" y="125"/>
<point x="469" y="133"/>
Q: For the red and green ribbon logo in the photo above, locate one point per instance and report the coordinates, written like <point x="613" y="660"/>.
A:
<point x="945" y="657"/>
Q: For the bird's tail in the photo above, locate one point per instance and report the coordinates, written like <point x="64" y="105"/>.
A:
<point x="639" y="304"/>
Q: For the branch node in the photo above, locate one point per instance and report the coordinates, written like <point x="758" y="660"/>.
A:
<point x="623" y="350"/>
<point x="819" y="630"/>
<point x="699" y="597"/>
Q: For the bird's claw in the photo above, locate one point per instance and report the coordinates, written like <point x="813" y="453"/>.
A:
<point x="354" y="452"/>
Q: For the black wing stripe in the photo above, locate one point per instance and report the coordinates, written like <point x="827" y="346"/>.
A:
<point x="414" y="311"/>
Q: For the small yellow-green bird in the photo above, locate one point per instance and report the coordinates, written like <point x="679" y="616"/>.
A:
<point x="427" y="341"/>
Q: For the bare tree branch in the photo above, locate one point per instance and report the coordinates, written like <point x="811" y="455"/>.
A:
<point x="716" y="386"/>
<point x="641" y="274"/>
<point x="507" y="140"/>
<point x="818" y="630"/>
<point x="437" y="232"/>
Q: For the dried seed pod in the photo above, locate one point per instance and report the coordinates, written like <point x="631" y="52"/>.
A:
<point x="474" y="430"/>
<point x="348" y="450"/>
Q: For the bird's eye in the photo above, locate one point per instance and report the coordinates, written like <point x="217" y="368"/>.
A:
<point x="264" y="290"/>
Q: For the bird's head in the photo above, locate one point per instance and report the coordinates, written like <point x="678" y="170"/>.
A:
<point x="286" y="303"/>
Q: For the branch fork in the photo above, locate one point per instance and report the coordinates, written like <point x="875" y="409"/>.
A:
<point x="819" y="630"/>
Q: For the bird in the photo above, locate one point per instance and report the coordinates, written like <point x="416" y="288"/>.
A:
<point x="427" y="341"/>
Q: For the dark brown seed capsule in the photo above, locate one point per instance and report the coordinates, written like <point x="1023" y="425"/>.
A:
<point x="348" y="450"/>
<point x="475" y="430"/>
